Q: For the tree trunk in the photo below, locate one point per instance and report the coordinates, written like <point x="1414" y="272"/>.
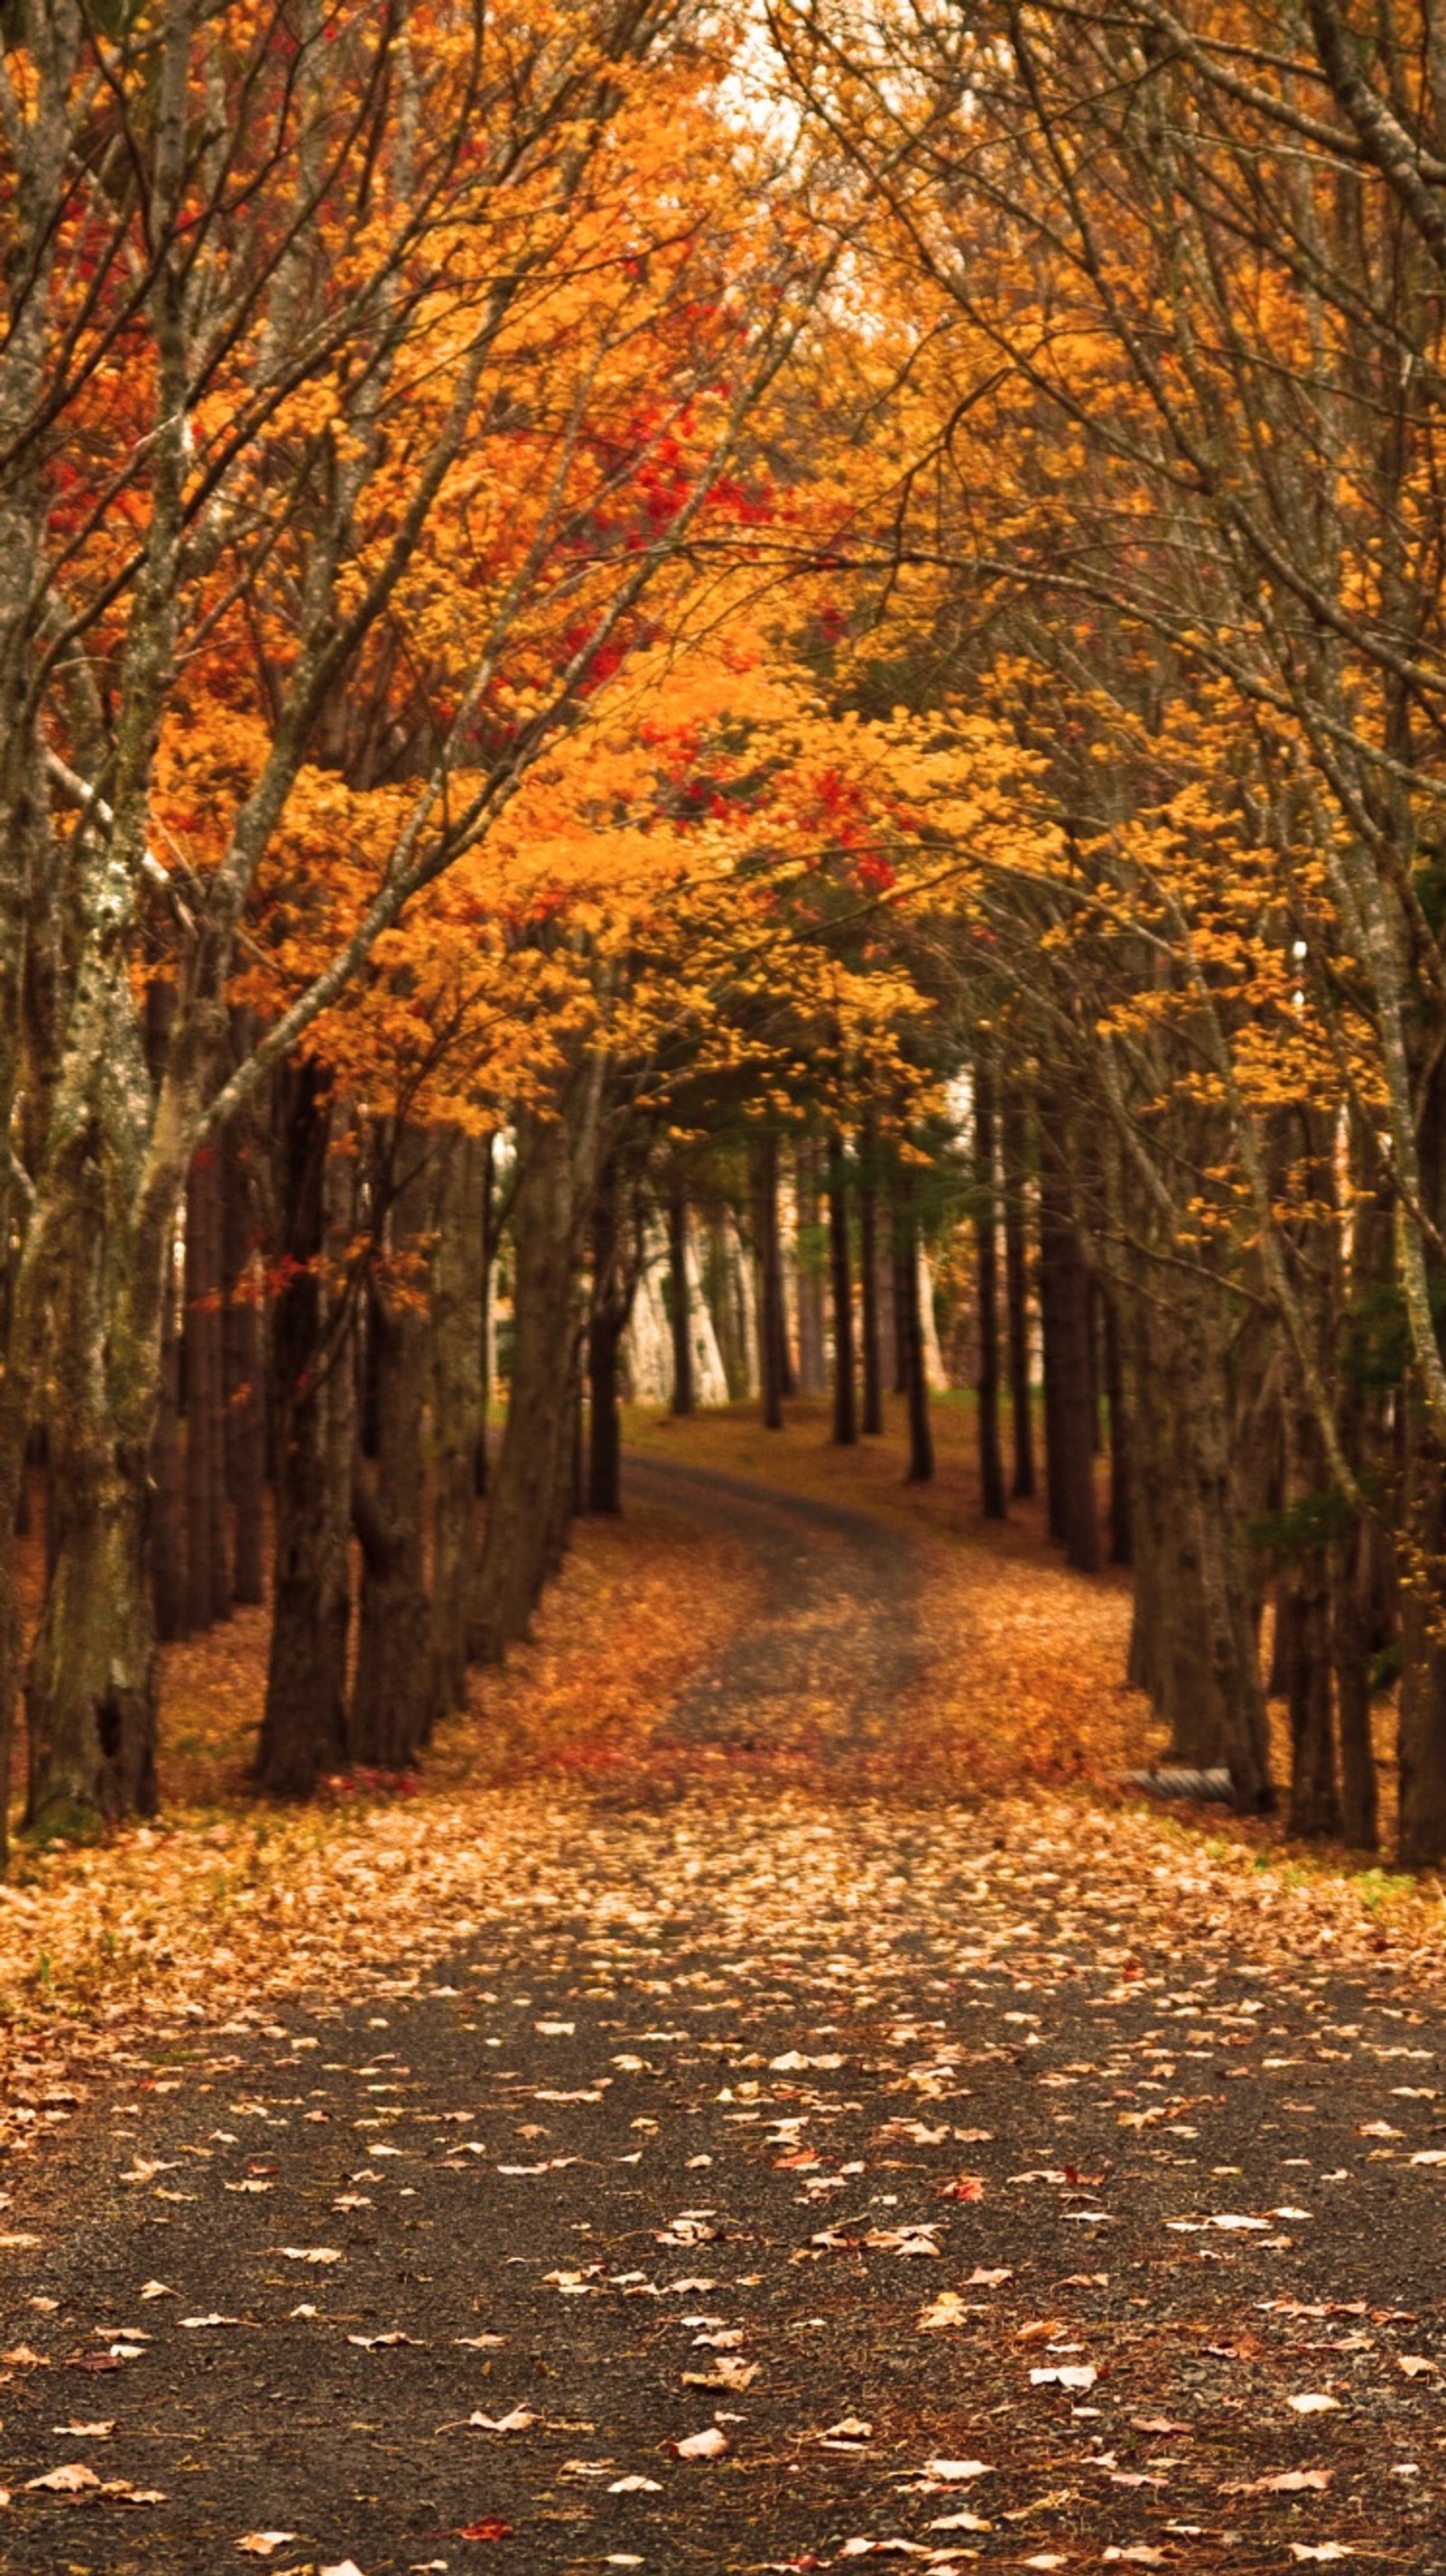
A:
<point x="1229" y="1628"/>
<point x="169" y="1592"/>
<point x="1122" y="1529"/>
<point x="303" y="1726"/>
<point x="93" y="1683"/>
<point x="771" y="1320"/>
<point x="873" y="1416"/>
<point x="244" y="1368"/>
<point x="1315" y="1807"/>
<point x="569" y="1491"/>
<point x="1167" y="1639"/>
<point x="808" y="1270"/>
<point x="458" y="1261"/>
<point x="1351" y="1653"/>
<point x="1068" y="1377"/>
<point x="604" y="1419"/>
<point x="1421" y="1738"/>
<point x="91" y="1693"/>
<point x="905" y="1248"/>
<point x="614" y="1280"/>
<point x="487" y="1229"/>
<point x="1305" y="1598"/>
<point x="550" y="1206"/>
<point x="1014" y="1140"/>
<point x="679" y="1313"/>
<point x="208" y="1571"/>
<point x="845" y="1421"/>
<point x="991" y="1456"/>
<point x="395" y="1695"/>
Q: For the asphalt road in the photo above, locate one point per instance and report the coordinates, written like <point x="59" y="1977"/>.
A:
<point x="811" y="2137"/>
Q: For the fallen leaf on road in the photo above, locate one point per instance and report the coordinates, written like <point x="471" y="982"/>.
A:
<point x="74" y="2479"/>
<point x="710" y="2444"/>
<point x="636" y="2486"/>
<point x="954" y="2472"/>
<point x="308" y="2253"/>
<point x="898" y="2240"/>
<point x="520" y="2420"/>
<point x="190" y="2323"/>
<point x="1314" y="2404"/>
<point x="490" y="2527"/>
<point x="156" y="2290"/>
<point x="260" y="2544"/>
<point x="947" y="2310"/>
<point x="1069" y="2374"/>
<point x="1285" y="2482"/>
<point x="728" y="2371"/>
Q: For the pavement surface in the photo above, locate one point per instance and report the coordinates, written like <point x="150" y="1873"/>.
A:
<point x="830" y="2180"/>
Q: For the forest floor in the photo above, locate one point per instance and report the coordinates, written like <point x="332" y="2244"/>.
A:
<point x="928" y="2151"/>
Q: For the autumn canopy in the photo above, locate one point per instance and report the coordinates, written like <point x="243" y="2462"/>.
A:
<point x="701" y="705"/>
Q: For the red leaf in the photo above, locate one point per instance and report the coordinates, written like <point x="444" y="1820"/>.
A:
<point x="491" y="2527"/>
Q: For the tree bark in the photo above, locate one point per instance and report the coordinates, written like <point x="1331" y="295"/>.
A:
<point x="1421" y="1735"/>
<point x="1068" y="1376"/>
<point x="1122" y="1529"/>
<point x="243" y="1358"/>
<point x="808" y="1260"/>
<point x="679" y="1312"/>
<point x="456" y="1286"/>
<point x="845" y="1419"/>
<point x="395" y="1696"/>
<point x="208" y="1572"/>
<point x="614" y="1281"/>
<point x="169" y="1592"/>
<point x="91" y="1692"/>
<point x="991" y="1456"/>
<point x="569" y="1490"/>
<point x="550" y="1207"/>
<point x="772" y="1326"/>
<point x="905" y="1248"/>
<point x="304" y="1724"/>
<point x="873" y="1413"/>
<point x="488" y="1231"/>
<point x="1351" y="1654"/>
<point x="1305" y="1605"/>
<point x="1014" y="1141"/>
<point x="1229" y="1625"/>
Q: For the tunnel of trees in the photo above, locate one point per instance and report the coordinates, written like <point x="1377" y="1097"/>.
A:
<point x="597" y="805"/>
